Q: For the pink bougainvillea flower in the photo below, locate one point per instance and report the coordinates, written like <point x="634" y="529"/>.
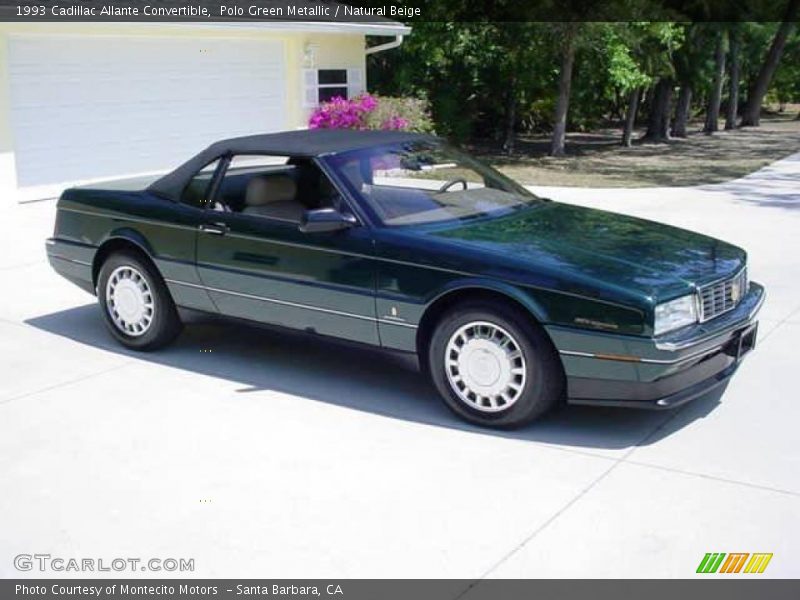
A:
<point x="368" y="112"/>
<point x="367" y="102"/>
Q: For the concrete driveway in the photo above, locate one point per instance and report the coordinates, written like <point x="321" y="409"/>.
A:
<point x="261" y="455"/>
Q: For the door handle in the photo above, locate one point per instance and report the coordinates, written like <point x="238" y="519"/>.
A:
<point x="215" y="228"/>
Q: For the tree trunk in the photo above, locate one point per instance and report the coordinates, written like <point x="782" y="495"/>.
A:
<point x="732" y="109"/>
<point x="511" y="116"/>
<point x="658" y="125"/>
<point x="712" y="112"/>
<point x="564" y="87"/>
<point x="682" y="111"/>
<point x="751" y="115"/>
<point x="630" y="117"/>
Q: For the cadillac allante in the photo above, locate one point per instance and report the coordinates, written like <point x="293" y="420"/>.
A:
<point x="512" y="303"/>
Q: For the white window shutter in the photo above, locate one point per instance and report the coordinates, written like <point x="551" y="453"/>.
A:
<point x="310" y="88"/>
<point x="355" y="82"/>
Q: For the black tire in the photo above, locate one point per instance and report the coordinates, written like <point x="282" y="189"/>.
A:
<point x="541" y="379"/>
<point x="164" y="324"/>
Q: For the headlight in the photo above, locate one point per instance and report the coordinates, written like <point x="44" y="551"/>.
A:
<point x="675" y="314"/>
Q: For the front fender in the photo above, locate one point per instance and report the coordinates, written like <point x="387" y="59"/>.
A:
<point x="477" y="284"/>
<point x="406" y="326"/>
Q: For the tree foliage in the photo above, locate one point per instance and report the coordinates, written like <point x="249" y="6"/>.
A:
<point x="492" y="80"/>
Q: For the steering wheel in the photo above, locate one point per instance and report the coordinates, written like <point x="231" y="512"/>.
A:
<point x="448" y="184"/>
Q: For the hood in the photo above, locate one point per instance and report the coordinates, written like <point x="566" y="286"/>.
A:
<point x="642" y="256"/>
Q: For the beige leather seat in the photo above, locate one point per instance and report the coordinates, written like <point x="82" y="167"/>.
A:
<point x="273" y="197"/>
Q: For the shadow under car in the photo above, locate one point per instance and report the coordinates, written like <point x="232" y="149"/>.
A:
<point x="264" y="359"/>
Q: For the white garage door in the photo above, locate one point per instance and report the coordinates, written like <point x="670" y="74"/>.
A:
<point x="87" y="108"/>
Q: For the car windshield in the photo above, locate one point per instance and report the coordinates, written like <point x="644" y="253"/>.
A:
<point x="426" y="182"/>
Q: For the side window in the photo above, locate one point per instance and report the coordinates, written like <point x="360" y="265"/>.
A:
<point x="196" y="192"/>
<point x="274" y="187"/>
<point x="314" y="189"/>
<point x="243" y="182"/>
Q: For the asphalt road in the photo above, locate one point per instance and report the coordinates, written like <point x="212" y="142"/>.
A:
<point x="261" y="455"/>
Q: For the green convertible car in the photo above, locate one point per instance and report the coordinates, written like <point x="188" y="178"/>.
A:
<point x="512" y="303"/>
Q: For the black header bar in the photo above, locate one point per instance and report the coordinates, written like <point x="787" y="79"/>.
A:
<point x="386" y="11"/>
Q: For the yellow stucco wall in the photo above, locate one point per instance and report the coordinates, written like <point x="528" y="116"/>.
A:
<point x="333" y="50"/>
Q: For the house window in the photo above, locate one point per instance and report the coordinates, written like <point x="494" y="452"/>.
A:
<point x="331" y="83"/>
<point x="322" y="85"/>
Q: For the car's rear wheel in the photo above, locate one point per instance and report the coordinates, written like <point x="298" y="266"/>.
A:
<point x="493" y="366"/>
<point x="136" y="304"/>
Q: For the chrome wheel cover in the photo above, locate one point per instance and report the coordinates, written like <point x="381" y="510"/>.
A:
<point x="485" y="366"/>
<point x="129" y="301"/>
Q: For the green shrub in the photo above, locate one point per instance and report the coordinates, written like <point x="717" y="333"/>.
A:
<point x="408" y="114"/>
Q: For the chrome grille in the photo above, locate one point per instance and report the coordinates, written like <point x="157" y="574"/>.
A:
<point x="720" y="297"/>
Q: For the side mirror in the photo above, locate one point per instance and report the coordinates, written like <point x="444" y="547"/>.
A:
<point x="322" y="220"/>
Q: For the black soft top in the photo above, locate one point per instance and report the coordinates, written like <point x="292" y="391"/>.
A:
<point x="307" y="143"/>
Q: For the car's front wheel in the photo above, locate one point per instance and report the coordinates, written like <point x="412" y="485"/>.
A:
<point x="493" y="366"/>
<point x="136" y="304"/>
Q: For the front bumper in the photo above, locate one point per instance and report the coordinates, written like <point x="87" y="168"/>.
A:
<point x="658" y="373"/>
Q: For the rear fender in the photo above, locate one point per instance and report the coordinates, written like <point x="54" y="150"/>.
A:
<point x="119" y="239"/>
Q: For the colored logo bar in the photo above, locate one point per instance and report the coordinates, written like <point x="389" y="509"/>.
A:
<point x="734" y="562"/>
